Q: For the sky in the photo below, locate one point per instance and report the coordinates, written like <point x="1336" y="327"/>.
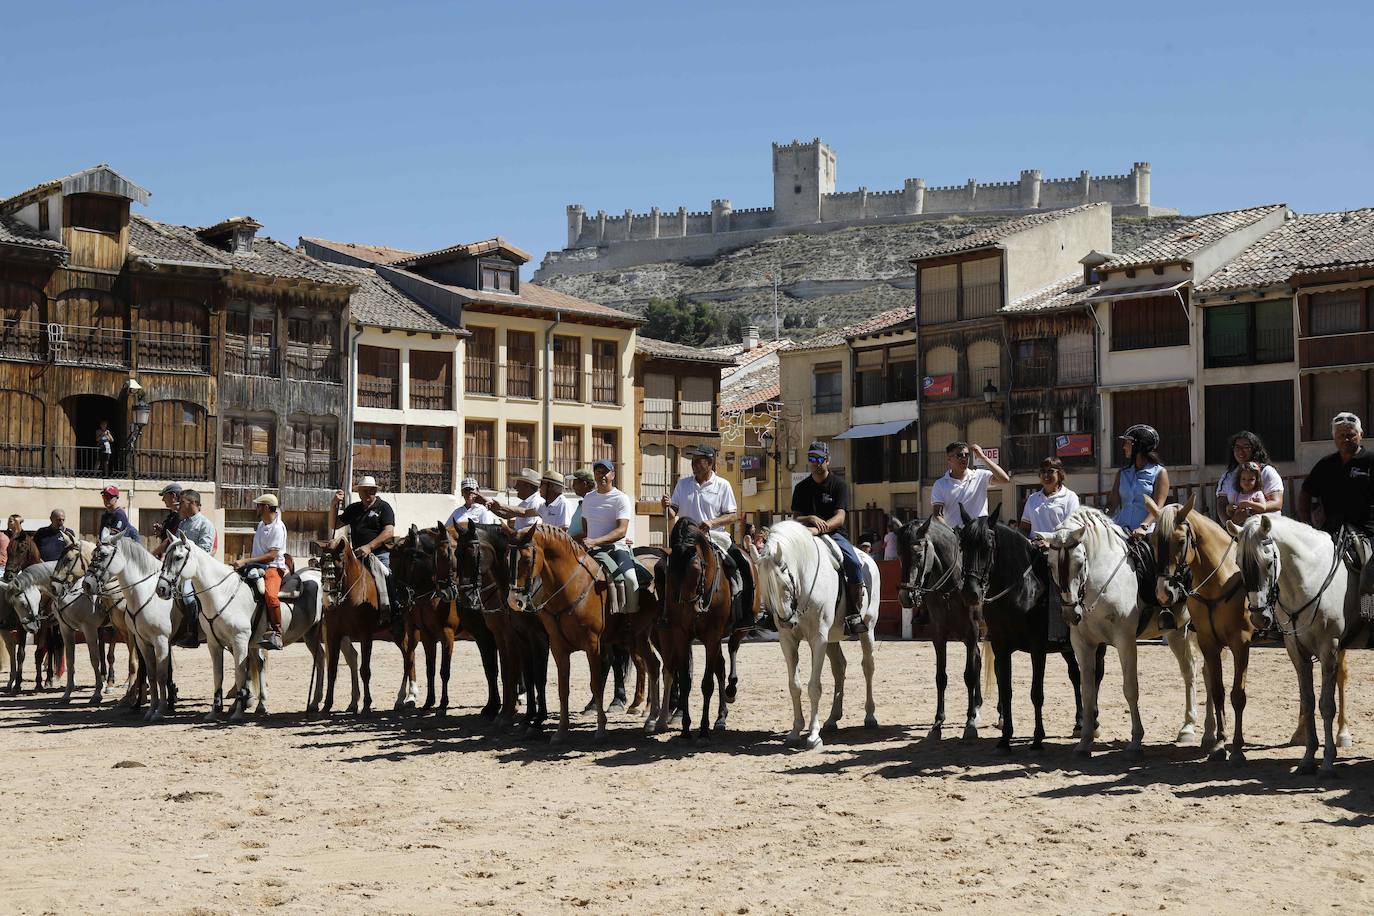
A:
<point x="421" y="125"/>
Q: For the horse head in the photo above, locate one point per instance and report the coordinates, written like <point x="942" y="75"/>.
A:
<point x="178" y="563"/>
<point x="525" y="565"/>
<point x="65" y="574"/>
<point x="1175" y="551"/>
<point x="105" y="563"/>
<point x="686" y="567"/>
<point x="1261" y="566"/>
<point x="334" y="557"/>
<point x="1069" y="566"/>
<point x="919" y="546"/>
<point x="978" y="554"/>
<point x="445" y="562"/>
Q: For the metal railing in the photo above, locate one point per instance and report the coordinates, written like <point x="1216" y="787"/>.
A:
<point x="431" y="396"/>
<point x="479" y="375"/>
<point x="604" y="388"/>
<point x="567" y="383"/>
<point x="169" y="464"/>
<point x="428" y="477"/>
<point x="22" y="458"/>
<point x="172" y="352"/>
<point x="388" y="476"/>
<point x="482" y="467"/>
<point x="1028" y="450"/>
<point x="241" y="359"/>
<point x="383" y="393"/>
<point x="86" y="461"/>
<point x="89" y="346"/>
<point x="23" y="340"/>
<point x="257" y="471"/>
<point x="521" y="380"/>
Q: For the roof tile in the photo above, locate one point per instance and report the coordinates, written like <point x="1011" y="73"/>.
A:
<point x="984" y="238"/>
<point x="1188" y="240"/>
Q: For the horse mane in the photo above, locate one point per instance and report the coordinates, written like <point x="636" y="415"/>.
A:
<point x="135" y="554"/>
<point x="1098" y="525"/>
<point x="683" y="542"/>
<point x="1250" y="537"/>
<point x="32" y="575"/>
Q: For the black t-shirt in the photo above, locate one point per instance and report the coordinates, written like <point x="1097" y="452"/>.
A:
<point x="50" y="542"/>
<point x="366" y="522"/>
<point x="1346" y="490"/>
<point x="822" y="500"/>
<point x="170" y="522"/>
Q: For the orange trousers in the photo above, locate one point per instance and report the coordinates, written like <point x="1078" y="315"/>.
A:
<point x="273" y="599"/>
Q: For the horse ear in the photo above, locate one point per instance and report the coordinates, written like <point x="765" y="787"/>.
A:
<point x="1233" y="529"/>
<point x="1152" y="507"/>
<point x="1075" y="537"/>
<point x="993" y="516"/>
<point x="925" y="527"/>
<point x="1266" y="525"/>
<point x="1188" y="506"/>
<point x="963" y="514"/>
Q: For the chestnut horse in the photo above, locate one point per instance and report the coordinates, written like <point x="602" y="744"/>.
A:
<point x="351" y="612"/>
<point x="483" y="582"/>
<point x="554" y="576"/>
<point x="699" y="604"/>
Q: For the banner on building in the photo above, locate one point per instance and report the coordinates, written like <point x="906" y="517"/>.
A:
<point x="749" y="486"/>
<point x="750" y="462"/>
<point x="936" y="386"/>
<point x="1074" y="445"/>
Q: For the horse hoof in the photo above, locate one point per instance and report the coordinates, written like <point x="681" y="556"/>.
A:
<point x="1038" y="744"/>
<point x="1077" y="732"/>
<point x="211" y="717"/>
<point x="970" y="732"/>
<point x="814" y="744"/>
<point x="830" y="728"/>
<point x="1133" y="753"/>
<point x="1306" y="768"/>
<point x="1345" y="739"/>
<point x="64" y="699"/>
<point x="236" y="717"/>
<point x="617" y="706"/>
<point x="261" y="710"/>
<point x="556" y="738"/>
<point x="1326" y="772"/>
<point x="720" y="725"/>
<point x="1217" y="756"/>
<point x="95" y="700"/>
<point x="1188" y="739"/>
<point x="634" y="710"/>
<point x="155" y="717"/>
<point x="312" y="710"/>
<point x="730" y="693"/>
<point x="703" y="737"/>
<point x="1238" y="758"/>
<point x="1084" y="752"/>
<point x="488" y="713"/>
<point x="870" y="721"/>
<point x="791" y="741"/>
<point x="675" y="720"/>
<point x="352" y="709"/>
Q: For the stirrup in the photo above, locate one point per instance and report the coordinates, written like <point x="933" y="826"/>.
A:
<point x="854" y="625"/>
<point x="270" y="640"/>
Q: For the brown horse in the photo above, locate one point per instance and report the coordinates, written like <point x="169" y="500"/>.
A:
<point x="557" y="578"/>
<point x="483" y="582"/>
<point x="351" y="611"/>
<point x="699" y="602"/>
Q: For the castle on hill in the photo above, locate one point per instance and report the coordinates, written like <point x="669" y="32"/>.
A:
<point x="805" y="200"/>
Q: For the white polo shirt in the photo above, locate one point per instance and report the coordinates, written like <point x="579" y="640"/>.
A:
<point x="475" y="513"/>
<point x="971" y="493"/>
<point x="601" y="512"/>
<point x="702" y="502"/>
<point x="559" y="511"/>
<point x="1046" y="513"/>
<point x="268" y="535"/>
<point x="535" y="502"/>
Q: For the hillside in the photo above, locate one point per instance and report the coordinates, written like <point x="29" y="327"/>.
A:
<point x="828" y="280"/>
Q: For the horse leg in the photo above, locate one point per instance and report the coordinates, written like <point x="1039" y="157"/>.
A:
<point x="1240" y="659"/>
<point x="1088" y="664"/>
<point x="973" y="663"/>
<point x="1330" y="662"/>
<point x="431" y="649"/>
<point x="838" y="666"/>
<point x="1307" y="701"/>
<point x="1130" y="687"/>
<point x="160" y="675"/>
<point x="722" y="703"/>
<point x="1001" y="657"/>
<point x="681" y="687"/>
<point x="446" y="666"/>
<point x="240" y="650"/>
<point x="406" y="694"/>
<point x="732" y="685"/>
<point x="334" y="639"/>
<point x="1182" y="647"/>
<point x="670" y="674"/>
<point x="365" y="669"/>
<point x="69" y="646"/>
<point x="539" y="676"/>
<point x="491" y="668"/>
<point x="1076" y="679"/>
<point x="350" y="654"/>
<point x="317" y="672"/>
<point x="791" y="660"/>
<point x="110" y="662"/>
<point x="641" y="683"/>
<point x="990" y="677"/>
<point x="561" y="659"/>
<point x="260" y="678"/>
<point x="713" y="670"/>
<point x="97" y="654"/>
<point x="599" y="664"/>
<point x="1214" y="735"/>
<point x="1037" y="694"/>
<point x="941" y="679"/>
<point x="867" y="664"/>
<point x="813" y="730"/>
<point x="1343" y="736"/>
<point x="647" y="662"/>
<point x="620" y="665"/>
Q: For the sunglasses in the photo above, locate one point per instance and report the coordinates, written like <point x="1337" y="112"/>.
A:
<point x="960" y="456"/>
<point x="816" y="459"/>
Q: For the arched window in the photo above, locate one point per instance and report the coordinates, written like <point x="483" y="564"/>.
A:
<point x="984" y="366"/>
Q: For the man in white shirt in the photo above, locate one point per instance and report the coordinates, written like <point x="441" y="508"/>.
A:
<point x="583" y="482"/>
<point x="527" y="511"/>
<point x="557" y="508"/>
<point x="472" y="509"/>
<point x="964" y="486"/>
<point x="606" y="516"/>
<point x="708" y="500"/>
<point x="269" y="550"/>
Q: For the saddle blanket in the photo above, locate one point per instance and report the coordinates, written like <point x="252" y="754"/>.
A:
<point x="624" y="600"/>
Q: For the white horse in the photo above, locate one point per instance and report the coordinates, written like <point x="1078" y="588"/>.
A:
<point x="151" y="618"/>
<point x="229" y="620"/>
<point x="801" y="583"/>
<point x="1297" y="578"/>
<point x="1089" y="566"/>
<point x="72" y="608"/>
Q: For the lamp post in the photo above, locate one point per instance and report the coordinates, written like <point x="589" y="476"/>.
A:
<point x="989" y="392"/>
<point x="770" y="443"/>
<point x="142" y="414"/>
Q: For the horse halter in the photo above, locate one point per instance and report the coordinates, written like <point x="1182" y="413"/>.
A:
<point x="65" y="571"/>
<point x="911" y="592"/>
<point x="473" y="597"/>
<point x="167" y="580"/>
<point x="1176" y="570"/>
<point x="983" y="577"/>
<point x="702" y="598"/>
<point x="523" y="594"/>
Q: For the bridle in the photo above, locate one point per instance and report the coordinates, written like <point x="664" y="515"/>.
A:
<point x="1272" y="597"/>
<point x="702" y="597"/>
<point x="535" y="583"/>
<point x="98" y="574"/>
<point x="914" y="589"/>
<point x="983" y="577"/>
<point x="473" y="597"/>
<point x="1176" y="569"/>
<point x="1065" y="581"/>
<point x="167" y="580"/>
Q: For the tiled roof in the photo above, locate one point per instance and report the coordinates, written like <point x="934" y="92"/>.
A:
<point x="545" y="298"/>
<point x="878" y="322"/>
<point x="13" y="232"/>
<point x="1355" y="247"/>
<point x="745" y="359"/>
<point x="666" y="349"/>
<point x="270" y="258"/>
<point x="1192" y="238"/>
<point x="984" y="238"/>
<point x="379" y="304"/>
<point x="1066" y="292"/>
<point x="375" y="254"/>
<point x="753" y="389"/>
<point x="470" y="250"/>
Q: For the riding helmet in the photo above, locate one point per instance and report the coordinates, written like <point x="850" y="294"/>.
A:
<point x="1145" y="437"/>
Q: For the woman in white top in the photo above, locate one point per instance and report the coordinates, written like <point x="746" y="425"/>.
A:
<point x="890" y="549"/>
<point x="1246" y="447"/>
<point x="1047" y="507"/>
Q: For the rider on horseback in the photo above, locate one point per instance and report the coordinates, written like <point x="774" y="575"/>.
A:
<point x="819" y="502"/>
<point x="269" y="551"/>
<point x="708" y="499"/>
<point x="556" y="509"/>
<point x="1343" y="483"/>
<point x="606" y="516"/>
<point x="526" y="512"/>
<point x="1142" y="476"/>
<point x="199" y="530"/>
<point x="371" y="525"/>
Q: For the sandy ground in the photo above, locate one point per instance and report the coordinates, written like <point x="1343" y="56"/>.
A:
<point x="410" y="814"/>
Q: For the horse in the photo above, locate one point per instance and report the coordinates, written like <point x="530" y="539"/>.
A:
<point x="800" y="581"/>
<point x="554" y="576"/>
<point x="699" y="602"/>
<point x="1297" y="578"/>
<point x="48" y="638"/>
<point x="932" y="575"/>
<point x="232" y="617"/>
<point x="1089" y="555"/>
<point x="1191" y="548"/>
<point x="353" y="613"/>
<point x="482" y="583"/>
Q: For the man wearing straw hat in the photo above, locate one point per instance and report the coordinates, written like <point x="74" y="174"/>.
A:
<point x="526" y="512"/>
<point x="558" y="508"/>
<point x="371" y="525"/>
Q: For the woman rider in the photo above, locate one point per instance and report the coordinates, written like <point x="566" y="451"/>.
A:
<point x="1142" y="476"/>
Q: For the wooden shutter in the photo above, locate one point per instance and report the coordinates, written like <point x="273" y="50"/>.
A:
<point x="1167" y="410"/>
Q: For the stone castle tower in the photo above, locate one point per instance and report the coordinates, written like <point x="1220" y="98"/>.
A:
<point x="802" y="174"/>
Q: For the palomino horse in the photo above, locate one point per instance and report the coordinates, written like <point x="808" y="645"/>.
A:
<point x="1296" y="577"/>
<point x="932" y="575"/>
<point x="351" y="614"/>
<point x="1196" y="561"/>
<point x="699" y="604"/>
<point x="483" y="584"/>
<point x="800" y="582"/>
<point x="1091" y="569"/>
<point x="423" y="565"/>
<point x="1002" y="585"/>
<point x="554" y="576"/>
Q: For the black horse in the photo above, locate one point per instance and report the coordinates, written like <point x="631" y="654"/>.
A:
<point x="483" y="583"/>
<point x="1006" y="577"/>
<point x="932" y="577"/>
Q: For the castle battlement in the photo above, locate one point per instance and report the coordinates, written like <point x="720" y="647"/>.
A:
<point x="805" y="199"/>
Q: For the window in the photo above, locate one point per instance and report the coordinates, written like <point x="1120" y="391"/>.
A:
<point x="428" y="459"/>
<point x="869" y="457"/>
<point x="1075" y="357"/>
<point x="519" y="447"/>
<point x="660" y="393"/>
<point x="604" y="446"/>
<point x="1044" y="421"/>
<point x="1264" y="408"/>
<point x="376" y="452"/>
<point x="479" y="362"/>
<point x="1248" y="333"/>
<point x="95" y="213"/>
<point x="697" y="409"/>
<point x="826" y="389"/>
<point x="939" y="294"/>
<point x="567" y="449"/>
<point x="1139" y="324"/>
<point x="969" y="289"/>
<point x="868" y="377"/>
<point x="43" y="224"/>
<point x="567" y="368"/>
<point x="250" y="337"/>
<point x="1326" y="394"/>
<point x="248" y="449"/>
<point x="310" y="450"/>
<point x="498" y="279"/>
<point x="479" y="451"/>
<point x="604" y="374"/>
<point x="1071" y="420"/>
<point x="1167" y="410"/>
<point x="1340" y="312"/>
<point x="379" y="377"/>
<point x="903" y="382"/>
<point x="905" y="453"/>
<point x="431" y="380"/>
<point x="1033" y="364"/>
<point x="520" y="364"/>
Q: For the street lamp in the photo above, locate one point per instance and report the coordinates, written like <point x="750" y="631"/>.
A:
<point x="142" y="414"/>
<point x="770" y="442"/>
<point x="989" y="392"/>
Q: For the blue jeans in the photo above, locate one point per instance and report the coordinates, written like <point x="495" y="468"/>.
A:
<point x="849" y="560"/>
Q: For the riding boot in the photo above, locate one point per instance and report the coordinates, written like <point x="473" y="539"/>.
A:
<point x="272" y="638"/>
<point x="190" y="633"/>
<point x="854" y="597"/>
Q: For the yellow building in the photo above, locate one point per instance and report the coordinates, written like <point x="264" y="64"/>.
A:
<point x="754" y="443"/>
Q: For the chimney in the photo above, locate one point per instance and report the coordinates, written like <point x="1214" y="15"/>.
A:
<point x="234" y="235"/>
<point x="751" y="336"/>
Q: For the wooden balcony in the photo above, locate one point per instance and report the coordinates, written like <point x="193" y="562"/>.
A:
<point x="1336" y="349"/>
<point x="384" y="393"/>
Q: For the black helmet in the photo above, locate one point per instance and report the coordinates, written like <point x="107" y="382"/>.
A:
<point x="1146" y="439"/>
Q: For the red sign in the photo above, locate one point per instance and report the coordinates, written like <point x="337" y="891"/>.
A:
<point x="937" y="386"/>
<point x="1074" y="445"/>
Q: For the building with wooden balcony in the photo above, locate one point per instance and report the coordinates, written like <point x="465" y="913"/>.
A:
<point x="520" y="376"/>
<point x="676" y="398"/>
<point x="962" y="289"/>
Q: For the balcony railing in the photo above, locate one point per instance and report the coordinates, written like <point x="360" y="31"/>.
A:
<point x="254" y="471"/>
<point x="312" y="474"/>
<point x="384" y="393"/>
<point x="86" y="461"/>
<point x="482" y="467"/>
<point x="604" y="388"/>
<point x="314" y="364"/>
<point x="654" y="485"/>
<point x="22" y="458"/>
<point x="174" y="352"/>
<point x="1027" y="451"/>
<point x="520" y="380"/>
<point x="1337" y="349"/>
<point x="241" y="359"/>
<point x="24" y="340"/>
<point x="1035" y="372"/>
<point x="431" y="396"/>
<point x="479" y="375"/>
<point x="428" y="477"/>
<point x="170" y="464"/>
<point x="87" y="346"/>
<point x="567" y="383"/>
<point x="388" y="476"/>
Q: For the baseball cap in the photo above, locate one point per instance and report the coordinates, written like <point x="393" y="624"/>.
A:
<point x="469" y="483"/>
<point x="111" y="490"/>
<point x="603" y="463"/>
<point x="585" y="475"/>
<point x="170" y="488"/>
<point x="701" y="451"/>
<point x="1345" y="418"/>
<point x="818" y="451"/>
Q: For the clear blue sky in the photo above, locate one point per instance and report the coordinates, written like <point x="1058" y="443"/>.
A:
<point x="424" y="124"/>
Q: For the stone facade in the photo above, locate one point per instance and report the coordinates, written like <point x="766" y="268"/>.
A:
<point x="805" y="200"/>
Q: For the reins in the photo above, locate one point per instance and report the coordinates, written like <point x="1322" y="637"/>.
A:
<point x="1336" y="560"/>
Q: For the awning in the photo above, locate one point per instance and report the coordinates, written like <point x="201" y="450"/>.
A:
<point x="869" y="430"/>
<point x="1146" y="386"/>
<point x="1135" y="292"/>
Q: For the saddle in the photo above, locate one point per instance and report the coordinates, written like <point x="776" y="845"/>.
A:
<point x="622" y="600"/>
<point x="1356" y="554"/>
